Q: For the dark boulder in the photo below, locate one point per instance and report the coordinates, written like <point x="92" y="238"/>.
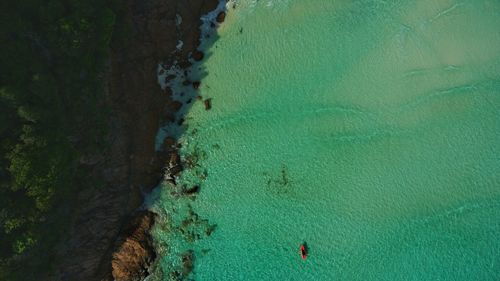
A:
<point x="221" y="17"/>
<point x="192" y="190"/>
<point x="208" y="104"/>
<point x="198" y="55"/>
<point x="175" y="105"/>
<point x="187" y="262"/>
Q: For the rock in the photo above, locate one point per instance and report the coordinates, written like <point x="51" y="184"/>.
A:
<point x="175" y="170"/>
<point x="169" y="143"/>
<point x="220" y="17"/>
<point x="196" y="84"/>
<point x="169" y="78"/>
<point x="198" y="55"/>
<point x="175" y="105"/>
<point x="187" y="262"/>
<point x="208" y="104"/>
<point x="210" y="229"/>
<point x="134" y="249"/>
<point x="193" y="190"/>
<point x="169" y="116"/>
<point x="175" y="276"/>
<point x="174" y="158"/>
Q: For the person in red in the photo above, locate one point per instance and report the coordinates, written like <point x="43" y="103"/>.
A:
<point x="303" y="251"/>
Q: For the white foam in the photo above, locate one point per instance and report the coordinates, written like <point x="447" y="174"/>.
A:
<point x="179" y="45"/>
<point x="178" y="20"/>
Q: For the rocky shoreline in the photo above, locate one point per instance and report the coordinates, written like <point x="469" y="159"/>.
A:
<point x="109" y="236"/>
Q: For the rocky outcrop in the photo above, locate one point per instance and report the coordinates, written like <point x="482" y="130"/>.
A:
<point x="102" y="245"/>
<point x="134" y="250"/>
<point x="221" y="16"/>
<point x="198" y="55"/>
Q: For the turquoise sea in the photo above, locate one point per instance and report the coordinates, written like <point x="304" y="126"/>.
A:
<point x="368" y="129"/>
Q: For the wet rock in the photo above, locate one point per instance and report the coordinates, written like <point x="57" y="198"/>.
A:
<point x="169" y="78"/>
<point x="175" y="105"/>
<point x="208" y="104"/>
<point x="176" y="170"/>
<point x="203" y="175"/>
<point x="209" y="230"/>
<point x="169" y="143"/>
<point x="187" y="262"/>
<point x="174" y="159"/>
<point x="193" y="190"/>
<point x="186" y="223"/>
<point x="190" y="237"/>
<point x="169" y="117"/>
<point x="198" y="55"/>
<point x="220" y="17"/>
<point x="175" y="276"/>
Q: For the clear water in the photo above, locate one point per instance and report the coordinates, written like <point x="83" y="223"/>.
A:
<point x="368" y="129"/>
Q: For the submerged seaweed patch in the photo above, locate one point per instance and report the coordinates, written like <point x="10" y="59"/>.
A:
<point x="278" y="182"/>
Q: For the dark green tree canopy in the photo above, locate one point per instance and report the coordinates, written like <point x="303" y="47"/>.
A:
<point x="53" y="55"/>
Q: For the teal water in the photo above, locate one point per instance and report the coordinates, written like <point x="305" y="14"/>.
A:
<point x="368" y="129"/>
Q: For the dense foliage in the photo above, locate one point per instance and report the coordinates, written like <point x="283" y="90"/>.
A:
<point x="51" y="112"/>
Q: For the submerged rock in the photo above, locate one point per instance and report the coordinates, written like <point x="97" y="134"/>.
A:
<point x="187" y="262"/>
<point x="175" y="170"/>
<point x="175" y="105"/>
<point x="208" y="104"/>
<point x="193" y="190"/>
<point x="169" y="143"/>
<point x="210" y="229"/>
<point x="198" y="55"/>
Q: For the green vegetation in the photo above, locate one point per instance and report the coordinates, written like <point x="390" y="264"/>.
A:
<point x="51" y="112"/>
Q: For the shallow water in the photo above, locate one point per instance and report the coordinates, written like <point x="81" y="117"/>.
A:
<point x="368" y="129"/>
